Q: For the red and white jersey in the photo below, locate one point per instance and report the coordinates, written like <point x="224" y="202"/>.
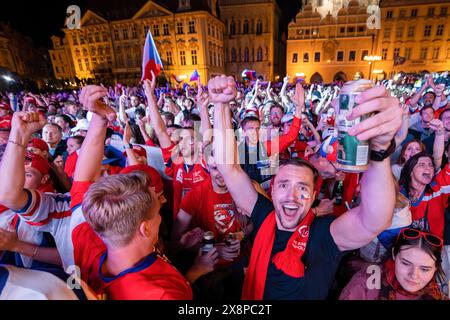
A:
<point x="185" y="177"/>
<point x="79" y="245"/>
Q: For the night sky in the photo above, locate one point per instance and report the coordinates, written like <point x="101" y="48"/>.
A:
<point x="43" y="18"/>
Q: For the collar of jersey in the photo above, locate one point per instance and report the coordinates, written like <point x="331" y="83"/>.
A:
<point x="147" y="262"/>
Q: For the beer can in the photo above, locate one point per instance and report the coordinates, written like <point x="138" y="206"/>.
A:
<point x="352" y="154"/>
<point x="208" y="242"/>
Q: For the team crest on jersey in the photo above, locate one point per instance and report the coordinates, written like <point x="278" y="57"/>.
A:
<point x="180" y="175"/>
<point x="224" y="217"/>
<point x="197" y="177"/>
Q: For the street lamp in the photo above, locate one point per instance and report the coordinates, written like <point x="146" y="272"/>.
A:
<point x="371" y="60"/>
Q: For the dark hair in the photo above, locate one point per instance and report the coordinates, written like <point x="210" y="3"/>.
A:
<point x="432" y="92"/>
<point x="401" y="159"/>
<point x="299" y="162"/>
<point x="140" y="111"/>
<point x="276" y="105"/>
<point x="175" y="126"/>
<point x="405" y="176"/>
<point x="78" y="139"/>
<point x="433" y="251"/>
<point x="425" y="108"/>
<point x="170" y="117"/>
<point x="136" y="133"/>
<point x="442" y="113"/>
<point x="247" y="120"/>
<point x="81" y="114"/>
<point x="66" y="119"/>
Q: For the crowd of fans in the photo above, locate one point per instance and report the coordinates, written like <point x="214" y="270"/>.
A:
<point x="224" y="192"/>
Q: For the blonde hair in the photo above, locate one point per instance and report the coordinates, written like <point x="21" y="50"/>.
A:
<point x="114" y="206"/>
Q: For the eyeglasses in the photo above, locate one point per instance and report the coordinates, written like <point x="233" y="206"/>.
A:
<point x="409" y="233"/>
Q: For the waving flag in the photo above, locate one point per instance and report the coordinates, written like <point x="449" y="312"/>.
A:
<point x="150" y="58"/>
<point x="194" y="76"/>
<point x="174" y="77"/>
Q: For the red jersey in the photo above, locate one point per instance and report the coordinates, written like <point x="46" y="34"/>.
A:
<point x="428" y="211"/>
<point x="71" y="162"/>
<point x="185" y="177"/>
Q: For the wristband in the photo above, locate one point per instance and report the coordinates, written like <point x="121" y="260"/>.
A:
<point x="17" y="144"/>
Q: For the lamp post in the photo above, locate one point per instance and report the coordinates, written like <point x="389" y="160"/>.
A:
<point x="371" y="60"/>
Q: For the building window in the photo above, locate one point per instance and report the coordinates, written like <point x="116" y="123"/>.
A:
<point x="180" y="28"/>
<point x="316" y="56"/>
<point x="306" y="57"/>
<point x="399" y="33"/>
<point x="351" y="29"/>
<point x="215" y="61"/>
<point x="436" y="53"/>
<point x="407" y="53"/>
<point x="246" y="55"/>
<point x="182" y="58"/>
<point x="166" y="29"/>
<point x="156" y="30"/>
<point x="340" y="56"/>
<point x="384" y="53"/>
<point x="75" y="39"/>
<point x="414" y="13"/>
<point x="389" y="14"/>
<point x="211" y="58"/>
<point x="245" y="27"/>
<point x="440" y="30"/>
<point x="86" y="62"/>
<point x="427" y="31"/>
<point x="396" y="52"/>
<point x="80" y="65"/>
<point x="259" y="54"/>
<point x="169" y="57"/>
<point x="431" y="12"/>
<point x="232" y="27"/>
<point x="191" y="26"/>
<point x="105" y="36"/>
<point x="294" y="57"/>
<point x="81" y="39"/>
<point x="209" y="29"/>
<point x="307" y="32"/>
<point x="194" y="57"/>
<point x="97" y="37"/>
<point x="443" y="11"/>
<point x="57" y="69"/>
<point x="146" y="28"/>
<point x="411" y="31"/>
<point x="402" y="13"/>
<point x="352" y="55"/>
<point x="361" y="29"/>
<point x="233" y="55"/>
<point x="134" y="32"/>
<point x="423" y="53"/>
<point x="364" y="53"/>
<point x="125" y="34"/>
<point x="259" y="27"/>
<point x="387" y="33"/>
<point x="342" y="30"/>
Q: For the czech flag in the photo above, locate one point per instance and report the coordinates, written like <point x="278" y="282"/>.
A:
<point x="150" y="59"/>
<point x="194" y="76"/>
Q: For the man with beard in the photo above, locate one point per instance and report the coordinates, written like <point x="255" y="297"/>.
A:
<point x="276" y="114"/>
<point x="295" y="255"/>
<point x="183" y="163"/>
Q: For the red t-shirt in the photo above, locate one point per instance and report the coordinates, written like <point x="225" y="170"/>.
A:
<point x="71" y="162"/>
<point x="184" y="177"/>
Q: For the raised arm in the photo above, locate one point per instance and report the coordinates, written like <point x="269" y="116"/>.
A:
<point x="155" y="117"/>
<point x="439" y="142"/>
<point x="131" y="156"/>
<point x="202" y="100"/>
<point x="402" y="133"/>
<point x="12" y="170"/>
<point x="91" y="153"/>
<point x="439" y="89"/>
<point x="360" y="225"/>
<point x="222" y="90"/>
<point x="415" y="99"/>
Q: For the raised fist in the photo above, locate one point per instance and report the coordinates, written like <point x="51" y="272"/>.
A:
<point x="222" y="89"/>
<point x="90" y="98"/>
<point x="28" y="122"/>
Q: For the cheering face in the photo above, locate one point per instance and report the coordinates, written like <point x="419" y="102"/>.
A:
<point x="72" y="146"/>
<point x="174" y="135"/>
<point x="414" y="269"/>
<point x="293" y="195"/>
<point x="62" y="123"/>
<point x="33" y="178"/>
<point x="427" y="115"/>
<point x="446" y="120"/>
<point x="428" y="99"/>
<point x="251" y="132"/>
<point x="275" y="116"/>
<point x="216" y="176"/>
<point x="423" y="172"/>
<point x="412" y="149"/>
<point x="186" y="143"/>
<point x="134" y="101"/>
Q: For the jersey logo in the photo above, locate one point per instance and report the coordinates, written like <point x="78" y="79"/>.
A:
<point x="180" y="175"/>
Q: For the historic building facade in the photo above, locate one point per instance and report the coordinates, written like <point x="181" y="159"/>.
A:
<point x="329" y="39"/>
<point x="253" y="39"/>
<point x="187" y="33"/>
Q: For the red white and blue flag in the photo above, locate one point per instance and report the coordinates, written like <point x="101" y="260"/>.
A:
<point x="150" y="59"/>
<point x="194" y="76"/>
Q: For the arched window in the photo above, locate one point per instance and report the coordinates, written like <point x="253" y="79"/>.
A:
<point x="233" y="55"/>
<point x="246" y="55"/>
<point x="245" y="27"/>
<point x="259" y="54"/>
<point x="259" y="27"/>
<point x="232" y="27"/>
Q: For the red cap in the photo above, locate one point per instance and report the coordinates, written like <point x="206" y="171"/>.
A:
<point x="5" y="123"/>
<point x="156" y="180"/>
<point x="30" y="100"/>
<point x="140" y="151"/>
<point x="38" y="163"/>
<point x="38" y="144"/>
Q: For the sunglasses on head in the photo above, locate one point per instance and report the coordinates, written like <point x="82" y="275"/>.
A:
<point x="409" y="233"/>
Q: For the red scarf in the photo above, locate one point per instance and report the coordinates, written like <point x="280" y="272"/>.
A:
<point x="289" y="260"/>
<point x="390" y="287"/>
